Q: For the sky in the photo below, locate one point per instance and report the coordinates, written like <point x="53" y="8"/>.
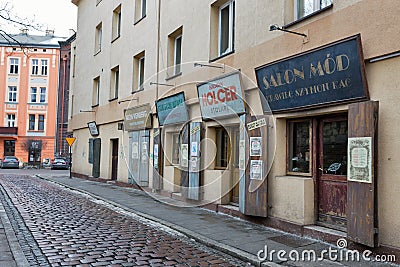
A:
<point x="57" y="15"/>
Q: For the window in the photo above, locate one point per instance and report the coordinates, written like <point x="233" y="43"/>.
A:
<point x="44" y="67"/>
<point x="178" y="54"/>
<point x="174" y="59"/>
<point x="31" y="122"/>
<point x="14" y="64"/>
<point x="12" y="94"/>
<point x="226" y="28"/>
<point x="33" y="96"/>
<point x="299" y="147"/>
<point x="99" y="34"/>
<point x="306" y="7"/>
<point x="175" y="148"/>
<point x="96" y="91"/>
<point x="42" y="94"/>
<point x="222" y="142"/>
<point x="10" y="120"/>
<point x="138" y="69"/>
<point x="41" y="123"/>
<point x="140" y="9"/>
<point x="116" y="27"/>
<point x="114" y="83"/>
<point x="35" y="66"/>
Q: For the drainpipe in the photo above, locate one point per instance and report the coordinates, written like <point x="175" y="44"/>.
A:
<point x="158" y="46"/>
<point x="62" y="105"/>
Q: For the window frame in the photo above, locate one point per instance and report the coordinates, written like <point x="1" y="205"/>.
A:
<point x="115" y="80"/>
<point x="140" y="10"/>
<point x="30" y="128"/>
<point x="35" y="67"/>
<point x="96" y="91"/>
<point x="317" y="7"/>
<point x="176" y="146"/>
<point x="31" y="95"/>
<point x="41" y="124"/>
<point x="14" y="67"/>
<point x="177" y="68"/>
<point x="11" y="119"/>
<point x="218" y="153"/>
<point x="231" y="5"/>
<point x="12" y="94"/>
<point x="44" y="67"/>
<point x="42" y="92"/>
<point x="289" y="144"/>
<point x="116" y="23"/>
<point x="98" y="38"/>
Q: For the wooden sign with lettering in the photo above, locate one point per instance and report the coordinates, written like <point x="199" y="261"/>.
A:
<point x="328" y="75"/>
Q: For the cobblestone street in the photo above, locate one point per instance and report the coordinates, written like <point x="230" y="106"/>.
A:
<point x="62" y="228"/>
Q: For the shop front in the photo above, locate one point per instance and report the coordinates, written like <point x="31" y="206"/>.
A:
<point x="320" y="99"/>
<point x="138" y="121"/>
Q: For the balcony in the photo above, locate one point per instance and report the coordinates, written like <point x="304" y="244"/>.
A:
<point x="8" y="131"/>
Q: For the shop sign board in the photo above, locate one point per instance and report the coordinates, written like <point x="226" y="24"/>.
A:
<point x="172" y="109"/>
<point x="138" y="118"/>
<point x="328" y="75"/>
<point x="221" y="97"/>
<point x="93" y="129"/>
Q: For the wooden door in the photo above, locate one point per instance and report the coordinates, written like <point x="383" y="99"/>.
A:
<point x="114" y="159"/>
<point x="332" y="165"/>
<point x="234" y="164"/>
<point x="158" y="160"/>
<point x="253" y="166"/>
<point x="144" y="141"/>
<point x="96" y="157"/>
<point x="362" y="226"/>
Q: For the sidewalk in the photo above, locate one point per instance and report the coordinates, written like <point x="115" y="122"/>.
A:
<point x="236" y="237"/>
<point x="11" y="253"/>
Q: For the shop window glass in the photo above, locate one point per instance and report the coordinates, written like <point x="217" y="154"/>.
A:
<point x="299" y="155"/>
<point x="222" y="143"/>
<point x="306" y="7"/>
<point x="335" y="147"/>
<point x="175" y="148"/>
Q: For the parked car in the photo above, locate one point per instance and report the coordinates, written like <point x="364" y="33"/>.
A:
<point x="59" y="163"/>
<point x="10" y="162"/>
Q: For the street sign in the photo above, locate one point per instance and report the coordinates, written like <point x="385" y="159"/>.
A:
<point x="70" y="140"/>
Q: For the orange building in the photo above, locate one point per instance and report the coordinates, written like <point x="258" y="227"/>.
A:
<point x="29" y="66"/>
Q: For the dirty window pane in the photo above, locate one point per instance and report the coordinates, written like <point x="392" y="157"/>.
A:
<point x="335" y="147"/>
<point x="299" y="147"/>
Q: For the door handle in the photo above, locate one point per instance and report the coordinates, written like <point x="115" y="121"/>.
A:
<point x="321" y="169"/>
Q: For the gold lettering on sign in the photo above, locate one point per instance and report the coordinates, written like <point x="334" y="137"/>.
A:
<point x="256" y="124"/>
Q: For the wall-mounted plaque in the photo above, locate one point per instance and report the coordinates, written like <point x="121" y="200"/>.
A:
<point x="359" y="167"/>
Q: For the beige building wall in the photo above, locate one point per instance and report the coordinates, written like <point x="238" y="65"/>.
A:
<point x="290" y="198"/>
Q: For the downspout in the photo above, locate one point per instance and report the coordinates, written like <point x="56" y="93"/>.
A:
<point x="62" y="105"/>
<point x="158" y="46"/>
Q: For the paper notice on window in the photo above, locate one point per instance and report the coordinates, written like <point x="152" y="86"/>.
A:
<point x="184" y="155"/>
<point x="242" y="155"/>
<point x="359" y="166"/>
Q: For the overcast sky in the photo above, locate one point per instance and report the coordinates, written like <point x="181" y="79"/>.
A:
<point x="58" y="15"/>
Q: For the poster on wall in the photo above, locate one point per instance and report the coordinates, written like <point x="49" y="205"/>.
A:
<point x="255" y="146"/>
<point x="135" y="150"/>
<point x="359" y="167"/>
<point x="155" y="156"/>
<point x="242" y="155"/>
<point x="256" y="169"/>
<point x="194" y="149"/>
<point x="184" y="155"/>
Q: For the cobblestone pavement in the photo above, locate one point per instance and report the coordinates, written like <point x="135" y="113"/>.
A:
<point x="74" y="230"/>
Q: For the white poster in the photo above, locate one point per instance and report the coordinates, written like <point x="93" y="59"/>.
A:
<point x="242" y="155"/>
<point x="255" y="146"/>
<point x="135" y="150"/>
<point x="156" y="156"/>
<point x="256" y="169"/>
<point x="184" y="155"/>
<point x="194" y="149"/>
<point x="359" y="167"/>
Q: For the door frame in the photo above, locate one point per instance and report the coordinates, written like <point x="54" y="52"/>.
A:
<point x="114" y="164"/>
<point x="316" y="163"/>
<point x="234" y="139"/>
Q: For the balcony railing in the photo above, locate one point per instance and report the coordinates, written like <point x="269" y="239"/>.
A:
<point x="8" y="130"/>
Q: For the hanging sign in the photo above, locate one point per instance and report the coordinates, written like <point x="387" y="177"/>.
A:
<point x="138" y="118"/>
<point x="221" y="97"/>
<point x="328" y="75"/>
<point x="94" y="131"/>
<point x="172" y="109"/>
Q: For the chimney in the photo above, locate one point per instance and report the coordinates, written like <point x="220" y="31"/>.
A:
<point x="24" y="31"/>
<point x="49" y="32"/>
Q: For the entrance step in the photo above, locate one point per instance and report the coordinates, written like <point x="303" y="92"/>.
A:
<point x="323" y="233"/>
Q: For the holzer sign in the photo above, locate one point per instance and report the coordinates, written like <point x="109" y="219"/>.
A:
<point x="138" y="118"/>
<point x="221" y="97"/>
<point x="328" y="75"/>
<point x="172" y="109"/>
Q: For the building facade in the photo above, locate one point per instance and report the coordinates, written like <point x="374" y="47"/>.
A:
<point x="28" y="92"/>
<point x="271" y="110"/>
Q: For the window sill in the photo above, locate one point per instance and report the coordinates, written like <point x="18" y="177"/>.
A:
<point x="35" y="131"/>
<point x="306" y="17"/>
<point x="14" y="74"/>
<point x="37" y="103"/>
<point x="115" y="38"/>
<point x="220" y="168"/>
<point x="137" y="91"/>
<point x="139" y="20"/>
<point x="112" y="99"/>
<point x="302" y="174"/>
<point x="222" y="56"/>
<point x="94" y="106"/>
<point x="173" y="76"/>
<point x="38" y="75"/>
<point x="10" y="102"/>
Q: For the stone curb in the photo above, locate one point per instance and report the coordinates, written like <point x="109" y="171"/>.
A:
<point x="232" y="251"/>
<point x="16" y="249"/>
